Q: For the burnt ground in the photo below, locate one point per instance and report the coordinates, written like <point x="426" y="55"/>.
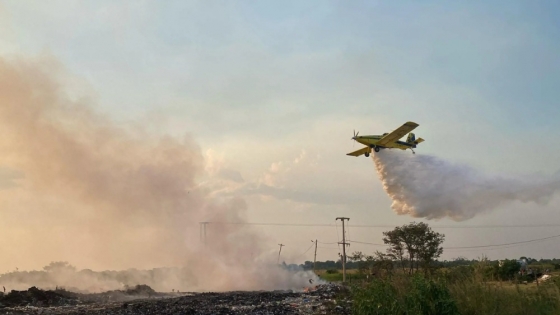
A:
<point x="322" y="299"/>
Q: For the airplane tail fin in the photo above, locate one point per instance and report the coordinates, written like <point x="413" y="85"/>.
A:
<point x="412" y="139"/>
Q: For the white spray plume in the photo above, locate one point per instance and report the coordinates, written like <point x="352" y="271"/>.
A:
<point x="426" y="186"/>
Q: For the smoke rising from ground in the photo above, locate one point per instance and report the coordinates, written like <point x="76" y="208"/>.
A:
<point x="77" y="187"/>
<point x="429" y="187"/>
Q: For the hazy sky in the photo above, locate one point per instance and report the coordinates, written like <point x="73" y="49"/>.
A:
<point x="271" y="92"/>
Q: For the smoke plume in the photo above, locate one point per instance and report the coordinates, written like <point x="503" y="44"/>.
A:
<point x="429" y="187"/>
<point x="76" y="187"/>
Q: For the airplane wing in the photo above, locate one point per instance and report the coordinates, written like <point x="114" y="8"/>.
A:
<point x="397" y="133"/>
<point x="359" y="152"/>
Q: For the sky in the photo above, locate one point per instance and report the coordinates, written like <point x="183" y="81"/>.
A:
<point x="271" y="92"/>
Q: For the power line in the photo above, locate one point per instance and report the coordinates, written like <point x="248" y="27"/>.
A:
<point x="484" y="249"/>
<point x="305" y="251"/>
<point x="348" y="232"/>
<point x="366" y="243"/>
<point x="464" y="248"/>
<point x="337" y="237"/>
<point x="497" y="246"/>
<point x="389" y="226"/>
<point x="506" y="244"/>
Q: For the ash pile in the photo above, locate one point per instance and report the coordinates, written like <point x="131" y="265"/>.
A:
<point x="322" y="299"/>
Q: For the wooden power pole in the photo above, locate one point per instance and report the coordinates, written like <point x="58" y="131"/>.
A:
<point x="315" y="257"/>
<point x="343" y="248"/>
<point x="281" y="245"/>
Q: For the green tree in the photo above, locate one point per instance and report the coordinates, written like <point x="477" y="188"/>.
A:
<point x="414" y="245"/>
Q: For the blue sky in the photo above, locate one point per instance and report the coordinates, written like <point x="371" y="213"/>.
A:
<point x="271" y="91"/>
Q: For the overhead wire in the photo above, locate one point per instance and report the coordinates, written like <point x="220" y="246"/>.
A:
<point x="304" y="252"/>
<point x="347" y="233"/>
<point x="477" y="247"/>
<point x="482" y="249"/>
<point x="505" y="244"/>
<point x="366" y="243"/>
<point x="390" y="226"/>
<point x="453" y="248"/>
<point x="337" y="236"/>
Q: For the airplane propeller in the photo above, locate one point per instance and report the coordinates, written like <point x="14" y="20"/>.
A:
<point x="354" y="137"/>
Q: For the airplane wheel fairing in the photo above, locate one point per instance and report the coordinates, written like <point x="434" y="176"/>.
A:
<point x="376" y="149"/>
<point x="366" y="154"/>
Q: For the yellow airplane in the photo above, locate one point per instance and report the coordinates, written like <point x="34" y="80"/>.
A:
<point x="388" y="140"/>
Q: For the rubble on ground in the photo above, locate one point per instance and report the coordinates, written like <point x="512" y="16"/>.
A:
<point x="36" y="297"/>
<point x="321" y="299"/>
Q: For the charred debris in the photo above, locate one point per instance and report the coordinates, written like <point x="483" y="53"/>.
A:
<point x="141" y="299"/>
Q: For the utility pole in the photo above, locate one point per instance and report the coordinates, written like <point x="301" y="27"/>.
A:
<point x="343" y="248"/>
<point x="315" y="258"/>
<point x="278" y="261"/>
<point x="203" y="232"/>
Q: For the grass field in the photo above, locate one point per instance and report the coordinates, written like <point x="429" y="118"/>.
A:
<point x="351" y="275"/>
<point x="441" y="294"/>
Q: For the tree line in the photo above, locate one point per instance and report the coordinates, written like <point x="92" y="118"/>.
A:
<point x="411" y="248"/>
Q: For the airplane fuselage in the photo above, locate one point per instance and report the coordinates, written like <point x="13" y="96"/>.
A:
<point x="371" y="141"/>
<point x="388" y="140"/>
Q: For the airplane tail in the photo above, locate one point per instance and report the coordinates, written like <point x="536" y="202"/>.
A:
<point x="412" y="139"/>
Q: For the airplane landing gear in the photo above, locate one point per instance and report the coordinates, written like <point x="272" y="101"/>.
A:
<point x="412" y="151"/>
<point x="366" y="154"/>
<point x="376" y="149"/>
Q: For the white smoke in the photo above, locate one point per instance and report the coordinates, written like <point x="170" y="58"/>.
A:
<point x="429" y="187"/>
<point x="76" y="186"/>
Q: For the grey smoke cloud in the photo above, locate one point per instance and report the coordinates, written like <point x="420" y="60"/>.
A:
<point x="104" y="196"/>
<point x="429" y="187"/>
